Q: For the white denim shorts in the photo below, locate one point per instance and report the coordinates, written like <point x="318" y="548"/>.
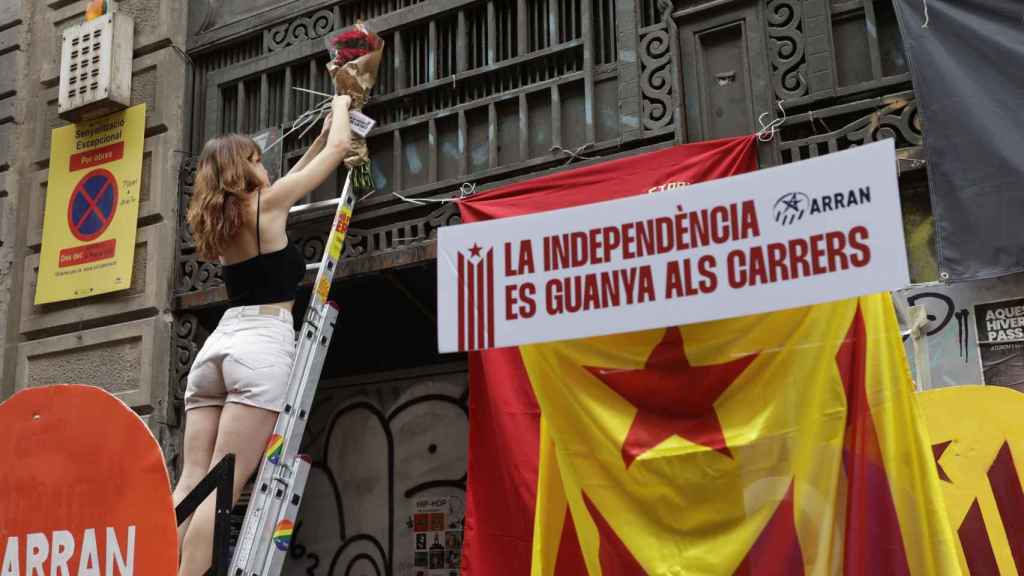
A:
<point x="246" y="360"/>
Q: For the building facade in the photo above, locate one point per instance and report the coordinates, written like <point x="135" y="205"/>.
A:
<point x="472" y="94"/>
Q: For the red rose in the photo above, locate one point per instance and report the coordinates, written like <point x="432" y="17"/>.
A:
<point x="354" y="44"/>
<point x="349" y="36"/>
<point x="350" y="54"/>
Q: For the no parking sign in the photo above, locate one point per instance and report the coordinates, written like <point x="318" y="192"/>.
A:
<point x="92" y="207"/>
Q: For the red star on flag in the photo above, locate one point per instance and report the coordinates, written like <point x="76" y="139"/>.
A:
<point x="475" y="250"/>
<point x="672" y="397"/>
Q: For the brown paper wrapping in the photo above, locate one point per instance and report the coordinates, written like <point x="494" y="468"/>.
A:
<point x="356" y="79"/>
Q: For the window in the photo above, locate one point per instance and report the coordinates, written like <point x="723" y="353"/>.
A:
<point x="867" y="43"/>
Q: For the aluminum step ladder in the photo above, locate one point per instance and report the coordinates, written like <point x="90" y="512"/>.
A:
<point x="267" y="529"/>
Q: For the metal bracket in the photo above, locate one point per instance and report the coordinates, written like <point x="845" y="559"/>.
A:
<point x="220" y="479"/>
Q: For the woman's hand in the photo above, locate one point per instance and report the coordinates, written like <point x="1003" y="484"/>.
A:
<point x="335" y="138"/>
<point x="341" y="103"/>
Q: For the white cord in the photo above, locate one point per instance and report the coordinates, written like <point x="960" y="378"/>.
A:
<point x="767" y="131"/>
<point x="305" y="120"/>
<point x="465" y="190"/>
<point x="425" y="201"/>
<point x="576" y="154"/>
<point x="312" y="92"/>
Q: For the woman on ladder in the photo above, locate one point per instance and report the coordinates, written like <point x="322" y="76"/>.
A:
<point x="239" y="380"/>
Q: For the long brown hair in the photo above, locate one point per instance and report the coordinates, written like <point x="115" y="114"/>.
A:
<point x="224" y="178"/>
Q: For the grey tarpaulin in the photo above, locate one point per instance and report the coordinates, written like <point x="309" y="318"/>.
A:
<point x="968" y="71"/>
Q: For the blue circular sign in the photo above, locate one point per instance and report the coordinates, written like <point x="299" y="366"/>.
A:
<point x="92" y="205"/>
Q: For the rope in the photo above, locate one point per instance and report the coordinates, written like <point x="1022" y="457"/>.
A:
<point x="576" y="154"/>
<point x="465" y="190"/>
<point x="767" y="131"/>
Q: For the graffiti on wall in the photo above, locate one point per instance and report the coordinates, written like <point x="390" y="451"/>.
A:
<point x="951" y="334"/>
<point x="382" y="454"/>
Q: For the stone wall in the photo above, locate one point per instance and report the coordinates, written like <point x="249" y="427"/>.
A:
<point x="13" y="34"/>
<point x="118" y="341"/>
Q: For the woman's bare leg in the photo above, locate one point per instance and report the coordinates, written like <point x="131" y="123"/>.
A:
<point x="200" y="438"/>
<point x="243" y="431"/>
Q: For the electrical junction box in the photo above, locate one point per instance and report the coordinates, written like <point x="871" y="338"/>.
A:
<point x="96" y="67"/>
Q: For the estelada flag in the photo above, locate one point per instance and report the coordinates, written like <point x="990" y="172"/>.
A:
<point x="784" y="443"/>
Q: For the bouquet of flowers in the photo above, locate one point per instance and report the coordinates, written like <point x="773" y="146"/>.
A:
<point x="355" y="57"/>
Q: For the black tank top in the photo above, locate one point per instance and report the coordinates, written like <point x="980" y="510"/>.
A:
<point x="265" y="278"/>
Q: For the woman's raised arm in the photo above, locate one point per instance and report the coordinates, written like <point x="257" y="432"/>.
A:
<point x="288" y="190"/>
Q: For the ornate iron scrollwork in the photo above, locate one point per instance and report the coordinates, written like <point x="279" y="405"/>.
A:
<point x="447" y="215"/>
<point x="184" y="349"/>
<point x="357" y="243"/>
<point x="898" y="120"/>
<point x="192" y="273"/>
<point x="786" y="48"/>
<point x="655" y="78"/>
<point x="893" y="117"/>
<point x="186" y="181"/>
<point x="195" y="274"/>
<point x="312" y="247"/>
<point x="665" y="7"/>
<point x="301" y="29"/>
<point x="367" y="242"/>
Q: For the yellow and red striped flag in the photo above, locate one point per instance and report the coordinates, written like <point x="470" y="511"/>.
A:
<point x="784" y="443"/>
<point x="787" y="443"/>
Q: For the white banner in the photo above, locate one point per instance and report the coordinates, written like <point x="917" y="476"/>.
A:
<point x="795" y="235"/>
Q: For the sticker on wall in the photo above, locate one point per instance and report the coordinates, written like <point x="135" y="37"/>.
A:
<point x="956" y="334"/>
<point x="1001" y="342"/>
<point x="437" y="525"/>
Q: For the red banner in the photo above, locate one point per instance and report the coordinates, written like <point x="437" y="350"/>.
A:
<point x="504" y="414"/>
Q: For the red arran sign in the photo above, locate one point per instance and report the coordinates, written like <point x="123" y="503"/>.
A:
<point x="85" y="491"/>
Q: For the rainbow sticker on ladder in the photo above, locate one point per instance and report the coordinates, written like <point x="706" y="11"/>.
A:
<point x="283" y="534"/>
<point x="274" y="448"/>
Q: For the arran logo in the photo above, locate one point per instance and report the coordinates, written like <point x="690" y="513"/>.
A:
<point x="791" y="207"/>
<point x="476" y="298"/>
<point x="58" y="550"/>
